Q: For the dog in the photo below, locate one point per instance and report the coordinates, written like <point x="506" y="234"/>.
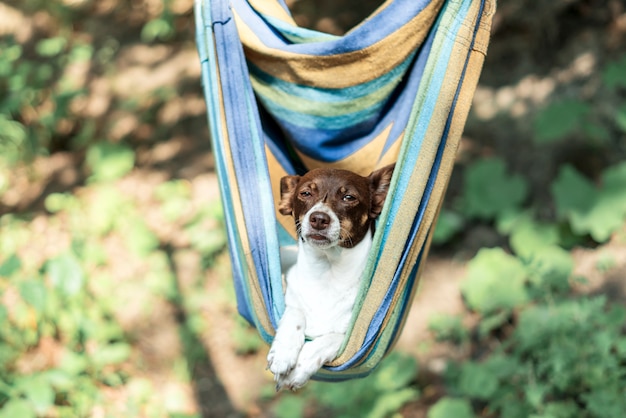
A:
<point x="334" y="212"/>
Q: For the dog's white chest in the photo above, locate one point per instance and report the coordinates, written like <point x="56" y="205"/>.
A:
<point x="324" y="286"/>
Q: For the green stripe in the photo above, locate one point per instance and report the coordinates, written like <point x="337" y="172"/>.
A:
<point x="282" y="99"/>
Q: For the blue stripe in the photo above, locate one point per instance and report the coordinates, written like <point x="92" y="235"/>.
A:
<point x="328" y="123"/>
<point x="396" y="14"/>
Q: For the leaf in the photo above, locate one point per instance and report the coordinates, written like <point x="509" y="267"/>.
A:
<point x="39" y="392"/>
<point x="606" y="402"/>
<point x="493" y="321"/>
<point x="535" y="395"/>
<point x="596" y="132"/>
<point x="111" y="354"/>
<point x="477" y="381"/>
<point x="66" y="274"/>
<point x="620" y="117"/>
<point x="396" y="372"/>
<point x="289" y="406"/>
<point x="613" y="74"/>
<point x="57" y="202"/>
<point x="208" y="242"/>
<point x="105" y="210"/>
<point x="390" y="402"/>
<point x="529" y="237"/>
<point x="447" y="328"/>
<point x="108" y="161"/>
<point x="73" y="363"/>
<point x="551" y="269"/>
<point x="81" y="53"/>
<point x="140" y="239"/>
<point x="558" y="120"/>
<point x="34" y="293"/>
<point x="489" y="191"/>
<point x="175" y="197"/>
<point x="613" y="181"/>
<point x="572" y="192"/>
<point x="51" y="46"/>
<point x="12" y="131"/>
<point x="156" y="29"/>
<point x="12" y="53"/>
<point x="448" y="224"/>
<point x="59" y="379"/>
<point x="563" y="409"/>
<point x="10" y="266"/>
<point x="495" y="280"/>
<point x="598" y="212"/>
<point x="17" y="407"/>
<point x="448" y="407"/>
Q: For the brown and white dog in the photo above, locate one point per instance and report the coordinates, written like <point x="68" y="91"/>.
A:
<point x="334" y="212"/>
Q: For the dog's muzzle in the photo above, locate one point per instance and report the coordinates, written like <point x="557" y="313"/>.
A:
<point x="320" y="226"/>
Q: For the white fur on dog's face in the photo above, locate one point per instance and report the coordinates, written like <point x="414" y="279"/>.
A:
<point x="322" y="238"/>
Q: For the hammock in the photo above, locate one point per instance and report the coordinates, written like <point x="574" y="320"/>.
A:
<point x="283" y="99"/>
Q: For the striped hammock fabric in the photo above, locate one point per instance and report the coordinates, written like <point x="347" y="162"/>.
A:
<point x="283" y="99"/>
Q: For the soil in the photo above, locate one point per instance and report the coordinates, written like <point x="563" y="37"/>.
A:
<point x="539" y="50"/>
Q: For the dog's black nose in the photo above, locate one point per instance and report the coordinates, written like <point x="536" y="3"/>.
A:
<point x="319" y="220"/>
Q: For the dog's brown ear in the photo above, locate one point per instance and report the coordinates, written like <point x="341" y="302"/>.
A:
<point x="379" y="185"/>
<point x="288" y="186"/>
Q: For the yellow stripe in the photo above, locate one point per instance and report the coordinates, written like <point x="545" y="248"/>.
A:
<point x="276" y="172"/>
<point x="343" y="70"/>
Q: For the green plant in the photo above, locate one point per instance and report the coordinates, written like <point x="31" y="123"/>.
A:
<point x="162" y="27"/>
<point x="448" y="328"/>
<point x="447" y="407"/>
<point x="36" y="97"/>
<point x="560" y="119"/>
<point x="53" y="311"/>
<point x="489" y="191"/>
<point x="564" y="356"/>
<point x="449" y="224"/>
<point x="597" y="211"/>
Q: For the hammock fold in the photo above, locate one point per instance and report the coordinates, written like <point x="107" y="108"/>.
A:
<point x="282" y="100"/>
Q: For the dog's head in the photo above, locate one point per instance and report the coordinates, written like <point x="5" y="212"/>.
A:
<point x="333" y="206"/>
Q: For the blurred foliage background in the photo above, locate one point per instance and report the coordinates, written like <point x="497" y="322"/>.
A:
<point x="115" y="292"/>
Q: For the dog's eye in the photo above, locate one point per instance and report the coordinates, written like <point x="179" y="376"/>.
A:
<point x="349" y="198"/>
<point x="305" y="193"/>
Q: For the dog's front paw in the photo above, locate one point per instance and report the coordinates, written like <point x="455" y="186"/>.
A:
<point x="312" y="357"/>
<point x="286" y="347"/>
<point x="282" y="357"/>
<point x="308" y="363"/>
